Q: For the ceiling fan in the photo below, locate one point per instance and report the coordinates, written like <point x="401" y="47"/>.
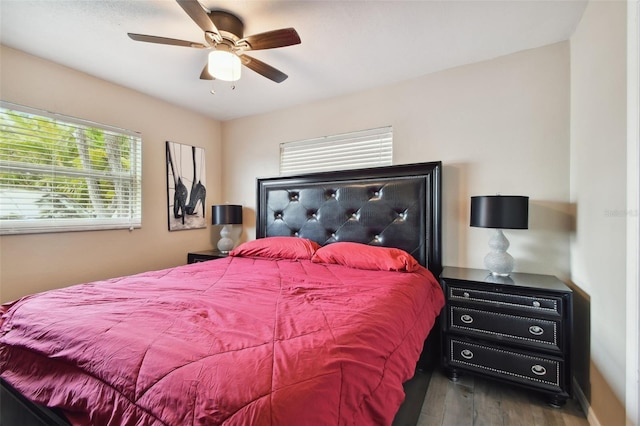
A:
<point x="224" y="35"/>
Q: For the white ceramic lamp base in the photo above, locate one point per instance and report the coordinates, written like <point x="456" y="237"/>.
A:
<point x="225" y="244"/>
<point x="498" y="261"/>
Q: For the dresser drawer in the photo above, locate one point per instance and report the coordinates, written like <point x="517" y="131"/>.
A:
<point x="539" y="371"/>
<point x="493" y="299"/>
<point x="534" y="332"/>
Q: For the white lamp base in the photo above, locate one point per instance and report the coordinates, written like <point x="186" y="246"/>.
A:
<point x="225" y="244"/>
<point x="498" y="261"/>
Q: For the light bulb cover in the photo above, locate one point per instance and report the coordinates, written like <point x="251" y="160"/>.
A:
<point x="224" y="65"/>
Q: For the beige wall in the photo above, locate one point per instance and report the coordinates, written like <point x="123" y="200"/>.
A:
<point x="598" y="189"/>
<point x="38" y="262"/>
<point x="499" y="126"/>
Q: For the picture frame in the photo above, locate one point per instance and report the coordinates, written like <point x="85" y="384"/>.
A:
<point x="186" y="191"/>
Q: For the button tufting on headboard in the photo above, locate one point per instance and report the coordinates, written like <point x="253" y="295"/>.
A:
<point x="397" y="206"/>
<point x="330" y="193"/>
<point x="362" y="213"/>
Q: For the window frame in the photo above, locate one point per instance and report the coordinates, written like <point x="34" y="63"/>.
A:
<point x="130" y="180"/>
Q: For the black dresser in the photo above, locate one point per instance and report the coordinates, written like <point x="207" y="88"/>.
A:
<point x="517" y="329"/>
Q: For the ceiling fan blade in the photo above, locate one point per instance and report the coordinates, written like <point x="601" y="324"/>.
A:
<point x="204" y="75"/>
<point x="165" y="40"/>
<point x="198" y="14"/>
<point x="263" y="69"/>
<point x="272" y="39"/>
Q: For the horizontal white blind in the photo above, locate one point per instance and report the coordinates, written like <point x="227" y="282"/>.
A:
<point x="355" y="150"/>
<point x="60" y="173"/>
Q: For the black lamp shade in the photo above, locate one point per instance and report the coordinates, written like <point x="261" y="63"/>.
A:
<point x="226" y="214"/>
<point x="500" y="211"/>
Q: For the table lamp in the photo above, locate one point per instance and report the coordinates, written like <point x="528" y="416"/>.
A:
<point x="226" y="214"/>
<point x="499" y="212"/>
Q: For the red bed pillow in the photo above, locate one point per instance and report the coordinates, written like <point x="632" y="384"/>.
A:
<point x="363" y="256"/>
<point x="277" y="248"/>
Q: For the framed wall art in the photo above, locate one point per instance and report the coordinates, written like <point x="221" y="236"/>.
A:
<point x="186" y="192"/>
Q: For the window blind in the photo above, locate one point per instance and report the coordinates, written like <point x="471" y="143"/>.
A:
<point x="354" y="150"/>
<point x="61" y="173"/>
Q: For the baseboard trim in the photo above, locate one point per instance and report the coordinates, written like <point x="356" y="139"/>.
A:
<point x="586" y="407"/>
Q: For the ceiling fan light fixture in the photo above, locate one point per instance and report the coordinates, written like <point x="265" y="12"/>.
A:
<point x="224" y="34"/>
<point x="224" y="65"/>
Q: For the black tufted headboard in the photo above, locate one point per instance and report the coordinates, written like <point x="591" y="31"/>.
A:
<point x="395" y="206"/>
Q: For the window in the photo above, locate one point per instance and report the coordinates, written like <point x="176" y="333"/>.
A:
<point x="60" y="173"/>
<point x="355" y="150"/>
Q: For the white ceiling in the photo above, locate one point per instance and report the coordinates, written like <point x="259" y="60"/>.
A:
<point x="347" y="46"/>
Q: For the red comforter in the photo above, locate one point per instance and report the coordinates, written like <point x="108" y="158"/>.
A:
<point x="235" y="341"/>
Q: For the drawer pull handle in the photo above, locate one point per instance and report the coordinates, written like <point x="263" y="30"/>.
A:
<point x="465" y="295"/>
<point x="536" y="330"/>
<point x="467" y="319"/>
<point x="536" y="304"/>
<point x="539" y="370"/>
<point x="466" y="354"/>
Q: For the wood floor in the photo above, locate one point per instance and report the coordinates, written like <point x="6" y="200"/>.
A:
<point x="473" y="401"/>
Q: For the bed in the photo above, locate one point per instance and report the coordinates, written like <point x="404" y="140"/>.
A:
<point x="319" y="320"/>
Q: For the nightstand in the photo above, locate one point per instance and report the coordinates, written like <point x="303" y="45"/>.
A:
<point x="201" y="256"/>
<point x="516" y="329"/>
